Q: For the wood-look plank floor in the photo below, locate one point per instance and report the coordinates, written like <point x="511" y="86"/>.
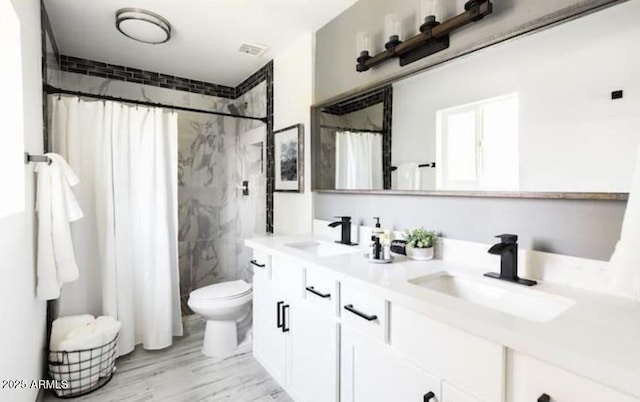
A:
<point x="182" y="373"/>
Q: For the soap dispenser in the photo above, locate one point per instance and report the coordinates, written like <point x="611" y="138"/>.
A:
<point x="377" y="230"/>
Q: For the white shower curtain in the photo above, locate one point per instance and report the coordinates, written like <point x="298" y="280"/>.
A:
<point x="358" y="161"/>
<point x="127" y="160"/>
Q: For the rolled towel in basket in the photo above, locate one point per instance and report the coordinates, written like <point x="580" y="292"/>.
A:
<point x="81" y="362"/>
<point x="63" y="325"/>
<point x="109" y="328"/>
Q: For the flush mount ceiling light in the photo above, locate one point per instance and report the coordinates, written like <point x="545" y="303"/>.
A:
<point x="143" y="26"/>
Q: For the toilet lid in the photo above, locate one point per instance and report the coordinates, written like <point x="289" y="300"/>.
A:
<point x="222" y="290"/>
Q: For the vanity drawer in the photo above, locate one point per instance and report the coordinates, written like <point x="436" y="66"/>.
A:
<point x="364" y="312"/>
<point x="287" y="274"/>
<point x="261" y="265"/>
<point x="452" y="394"/>
<point x="528" y="379"/>
<point x="322" y="291"/>
<point x="472" y="363"/>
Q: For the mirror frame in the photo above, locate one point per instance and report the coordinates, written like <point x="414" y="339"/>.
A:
<point x="550" y="21"/>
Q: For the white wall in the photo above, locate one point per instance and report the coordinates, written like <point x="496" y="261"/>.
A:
<point x="293" y="96"/>
<point x="22" y="337"/>
<point x="573" y="137"/>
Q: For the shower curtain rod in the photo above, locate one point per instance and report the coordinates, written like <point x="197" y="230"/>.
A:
<point x="51" y="90"/>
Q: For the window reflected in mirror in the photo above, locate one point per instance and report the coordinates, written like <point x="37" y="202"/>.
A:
<point x="477" y="147"/>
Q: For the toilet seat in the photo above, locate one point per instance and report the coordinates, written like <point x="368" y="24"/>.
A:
<point x="222" y="291"/>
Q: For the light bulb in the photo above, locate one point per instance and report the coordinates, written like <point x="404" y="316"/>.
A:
<point x="363" y="43"/>
<point x="430" y="7"/>
<point x="392" y="26"/>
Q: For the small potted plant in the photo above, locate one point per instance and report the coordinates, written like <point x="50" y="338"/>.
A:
<point x="420" y="244"/>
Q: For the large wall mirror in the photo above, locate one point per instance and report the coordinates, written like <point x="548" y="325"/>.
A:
<point x="552" y="114"/>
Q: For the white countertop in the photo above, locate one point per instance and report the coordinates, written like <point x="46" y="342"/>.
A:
<point x="598" y="337"/>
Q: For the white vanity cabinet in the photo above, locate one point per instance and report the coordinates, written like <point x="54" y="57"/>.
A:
<point x="530" y="379"/>
<point x="469" y="364"/>
<point x="372" y="372"/>
<point x="295" y="340"/>
<point x="327" y="338"/>
<point x="269" y="340"/>
<point x="314" y="342"/>
<point x="452" y="394"/>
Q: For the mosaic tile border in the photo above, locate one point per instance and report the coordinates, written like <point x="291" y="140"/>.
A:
<point x="387" y="114"/>
<point x="265" y="74"/>
<point x="129" y="74"/>
<point x="361" y="102"/>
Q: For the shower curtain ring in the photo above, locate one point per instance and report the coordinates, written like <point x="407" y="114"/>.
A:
<point x="59" y="96"/>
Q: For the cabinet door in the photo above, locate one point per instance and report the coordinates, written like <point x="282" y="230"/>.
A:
<point x="529" y="379"/>
<point x="452" y="394"/>
<point x="373" y="372"/>
<point x="268" y="339"/>
<point x="313" y="351"/>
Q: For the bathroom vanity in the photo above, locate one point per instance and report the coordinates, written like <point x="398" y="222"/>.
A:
<point x="328" y="326"/>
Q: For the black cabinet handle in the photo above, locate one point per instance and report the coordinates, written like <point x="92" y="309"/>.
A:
<point x="544" y="398"/>
<point x="315" y="292"/>
<point x="349" y="307"/>
<point x="254" y="262"/>
<point x="279" y="322"/>
<point x="284" y="318"/>
<point x="428" y="396"/>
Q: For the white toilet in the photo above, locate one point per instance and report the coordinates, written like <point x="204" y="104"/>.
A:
<point x="222" y="305"/>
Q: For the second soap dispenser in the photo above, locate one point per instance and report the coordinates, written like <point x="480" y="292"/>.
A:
<point x="379" y="247"/>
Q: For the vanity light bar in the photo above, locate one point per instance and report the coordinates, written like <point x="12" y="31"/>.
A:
<point x="433" y="37"/>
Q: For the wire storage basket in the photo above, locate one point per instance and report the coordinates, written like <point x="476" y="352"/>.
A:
<point x="83" y="371"/>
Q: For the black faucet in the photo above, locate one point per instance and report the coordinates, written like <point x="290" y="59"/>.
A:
<point x="345" y="221"/>
<point x="507" y="249"/>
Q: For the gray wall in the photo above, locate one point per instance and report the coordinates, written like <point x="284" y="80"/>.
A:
<point x="335" y="59"/>
<point x="588" y="229"/>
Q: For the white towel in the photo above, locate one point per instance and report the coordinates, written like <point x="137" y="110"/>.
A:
<point x="625" y="261"/>
<point x="109" y="328"/>
<point x="61" y="327"/>
<point x="57" y="207"/>
<point x="83" y="369"/>
<point x="408" y="176"/>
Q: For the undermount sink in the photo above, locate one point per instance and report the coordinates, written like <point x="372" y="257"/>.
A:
<point x="323" y="248"/>
<point x="533" y="305"/>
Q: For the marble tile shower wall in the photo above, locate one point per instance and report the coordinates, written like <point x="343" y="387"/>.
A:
<point x="212" y="161"/>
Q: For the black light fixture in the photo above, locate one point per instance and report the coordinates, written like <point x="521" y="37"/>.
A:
<point x="433" y="36"/>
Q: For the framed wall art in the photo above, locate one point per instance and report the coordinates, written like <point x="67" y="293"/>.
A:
<point x="289" y="159"/>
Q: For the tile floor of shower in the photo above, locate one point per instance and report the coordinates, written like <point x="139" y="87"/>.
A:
<point x="181" y="373"/>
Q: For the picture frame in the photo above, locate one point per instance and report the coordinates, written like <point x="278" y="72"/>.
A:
<point x="289" y="159"/>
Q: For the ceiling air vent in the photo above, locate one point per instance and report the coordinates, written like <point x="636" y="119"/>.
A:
<point x="253" y="49"/>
